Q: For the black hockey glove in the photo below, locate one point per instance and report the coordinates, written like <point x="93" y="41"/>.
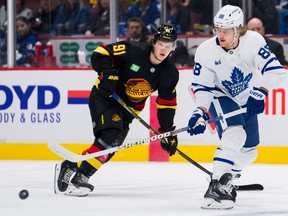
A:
<point x="108" y="83"/>
<point x="169" y="144"/>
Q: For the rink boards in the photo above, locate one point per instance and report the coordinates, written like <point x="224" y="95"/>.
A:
<point x="41" y="106"/>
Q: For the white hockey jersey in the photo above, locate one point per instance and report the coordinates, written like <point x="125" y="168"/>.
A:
<point x="234" y="72"/>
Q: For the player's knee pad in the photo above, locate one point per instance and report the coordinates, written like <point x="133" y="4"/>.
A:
<point x="233" y="138"/>
<point x="112" y="137"/>
<point x="110" y="118"/>
<point x="108" y="139"/>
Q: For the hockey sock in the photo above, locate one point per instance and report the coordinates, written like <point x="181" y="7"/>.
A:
<point x="232" y="141"/>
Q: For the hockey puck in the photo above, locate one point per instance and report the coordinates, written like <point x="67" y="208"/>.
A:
<point x="23" y="194"/>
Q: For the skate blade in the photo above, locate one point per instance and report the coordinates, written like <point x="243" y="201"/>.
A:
<point x="56" y="176"/>
<point x="213" y="204"/>
<point x="77" y="191"/>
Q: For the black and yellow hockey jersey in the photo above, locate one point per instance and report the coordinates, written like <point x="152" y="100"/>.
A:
<point x="138" y="77"/>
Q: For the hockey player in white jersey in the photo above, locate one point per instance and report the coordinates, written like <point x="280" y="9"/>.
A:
<point x="234" y="69"/>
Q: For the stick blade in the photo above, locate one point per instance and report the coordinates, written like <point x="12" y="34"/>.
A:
<point x="250" y="187"/>
<point x="63" y="152"/>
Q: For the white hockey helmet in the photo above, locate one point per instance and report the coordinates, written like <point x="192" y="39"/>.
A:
<point x="229" y="16"/>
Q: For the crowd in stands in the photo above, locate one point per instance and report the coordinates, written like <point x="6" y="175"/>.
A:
<point x="255" y="24"/>
<point x="51" y="18"/>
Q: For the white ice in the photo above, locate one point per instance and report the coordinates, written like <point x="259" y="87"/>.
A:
<point x="136" y="189"/>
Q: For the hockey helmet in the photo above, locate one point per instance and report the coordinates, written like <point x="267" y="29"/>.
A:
<point x="229" y="17"/>
<point x="165" y="32"/>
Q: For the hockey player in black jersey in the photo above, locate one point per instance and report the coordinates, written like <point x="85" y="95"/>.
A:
<point x="132" y="70"/>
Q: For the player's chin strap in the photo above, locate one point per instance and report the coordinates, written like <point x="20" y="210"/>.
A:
<point x="236" y="35"/>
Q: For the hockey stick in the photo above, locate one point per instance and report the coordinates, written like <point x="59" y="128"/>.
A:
<point x="132" y="112"/>
<point x="221" y="117"/>
<point x="237" y="187"/>
<point x="71" y="156"/>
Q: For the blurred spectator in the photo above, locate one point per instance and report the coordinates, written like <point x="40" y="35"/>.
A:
<point x="232" y="2"/>
<point x="92" y="7"/>
<point x="72" y="18"/>
<point x="43" y="21"/>
<point x="180" y="55"/>
<point x="148" y="11"/>
<point x="3" y="47"/>
<point x="266" y="11"/>
<point x="58" y="6"/>
<point x="282" y="8"/>
<point x="25" y="43"/>
<point x="3" y="15"/>
<point x="136" y="30"/>
<point x="100" y="24"/>
<point x="178" y="15"/>
<point x="201" y="15"/>
<point x="256" y="24"/>
<point x="21" y="11"/>
<point x="123" y="9"/>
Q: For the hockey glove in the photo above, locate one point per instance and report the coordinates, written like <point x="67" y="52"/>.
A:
<point x="197" y="123"/>
<point x="256" y="101"/>
<point x="169" y="144"/>
<point x="108" y="82"/>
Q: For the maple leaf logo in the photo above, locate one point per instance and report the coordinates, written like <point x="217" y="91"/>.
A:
<point x="238" y="82"/>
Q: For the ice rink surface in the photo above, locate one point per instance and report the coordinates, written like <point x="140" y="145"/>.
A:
<point x="136" y="189"/>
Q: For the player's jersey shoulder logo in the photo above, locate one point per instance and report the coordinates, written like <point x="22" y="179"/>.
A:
<point x="238" y="82"/>
<point x="217" y="62"/>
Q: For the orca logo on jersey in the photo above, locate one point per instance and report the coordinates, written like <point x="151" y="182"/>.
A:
<point x="238" y="82"/>
<point x="138" y="89"/>
<point x="116" y="118"/>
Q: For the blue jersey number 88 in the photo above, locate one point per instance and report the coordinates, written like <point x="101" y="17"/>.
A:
<point x="264" y="52"/>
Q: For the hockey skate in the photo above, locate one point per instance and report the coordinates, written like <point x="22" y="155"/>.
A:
<point x="79" y="186"/>
<point x="63" y="174"/>
<point x="221" y="194"/>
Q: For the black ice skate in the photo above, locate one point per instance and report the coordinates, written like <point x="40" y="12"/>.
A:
<point x="79" y="186"/>
<point x="221" y="194"/>
<point x="63" y="173"/>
